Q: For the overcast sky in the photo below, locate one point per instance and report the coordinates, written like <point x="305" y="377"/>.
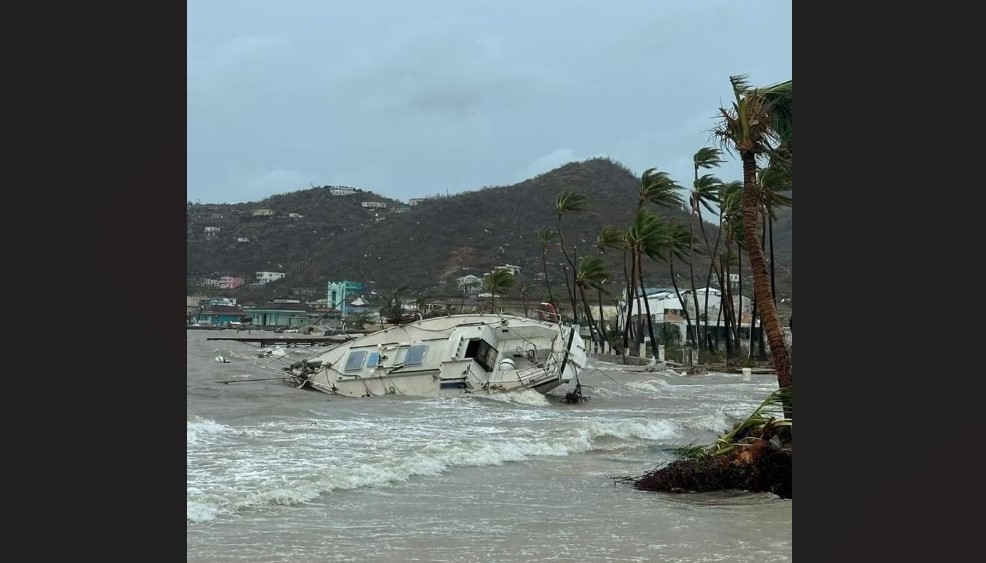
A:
<point x="413" y="98"/>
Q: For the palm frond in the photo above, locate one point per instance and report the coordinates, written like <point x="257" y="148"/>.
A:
<point x="707" y="157"/>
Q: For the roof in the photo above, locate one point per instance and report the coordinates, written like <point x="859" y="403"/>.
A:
<point x="223" y="309"/>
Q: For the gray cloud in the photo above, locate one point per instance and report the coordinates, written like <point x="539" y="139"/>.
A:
<point x="411" y="99"/>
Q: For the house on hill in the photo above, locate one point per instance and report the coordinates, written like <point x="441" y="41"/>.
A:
<point x="469" y="283"/>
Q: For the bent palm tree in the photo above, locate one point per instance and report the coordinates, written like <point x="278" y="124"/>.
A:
<point x="592" y="273"/>
<point x="495" y="282"/>
<point x="612" y="237"/>
<point x="754" y="127"/>
<point x="545" y="237"/>
<point x="703" y="191"/>
<point x="569" y="201"/>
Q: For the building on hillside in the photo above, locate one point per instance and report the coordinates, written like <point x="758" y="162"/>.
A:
<point x="229" y="282"/>
<point x="340" y="294"/>
<point x="295" y="215"/>
<point x="374" y="204"/>
<point x="242" y="239"/>
<point x="469" y="284"/>
<point x="416" y="201"/>
<point x="515" y="270"/>
<point x="263" y="212"/>
<point x="267" y="277"/>
<point x="338" y="190"/>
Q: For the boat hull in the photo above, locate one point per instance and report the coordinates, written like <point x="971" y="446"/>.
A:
<point x="450" y="356"/>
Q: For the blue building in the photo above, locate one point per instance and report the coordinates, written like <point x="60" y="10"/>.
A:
<point x="339" y="294"/>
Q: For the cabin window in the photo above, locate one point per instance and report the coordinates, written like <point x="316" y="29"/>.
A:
<point x="372" y="361"/>
<point x="415" y="355"/>
<point x="483" y="353"/>
<point x="355" y="360"/>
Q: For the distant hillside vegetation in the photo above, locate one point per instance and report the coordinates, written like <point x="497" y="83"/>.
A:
<point x="427" y="246"/>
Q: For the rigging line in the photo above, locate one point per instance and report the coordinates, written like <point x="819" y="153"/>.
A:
<point x="610" y="377"/>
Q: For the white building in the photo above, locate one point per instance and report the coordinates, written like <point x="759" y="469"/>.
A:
<point x="267" y="277"/>
<point x="515" y="270"/>
<point x="263" y="212"/>
<point x="666" y="308"/>
<point x="374" y="204"/>
<point x="469" y="284"/>
<point x="342" y="191"/>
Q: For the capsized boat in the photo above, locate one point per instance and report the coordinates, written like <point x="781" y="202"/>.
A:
<point x="449" y="356"/>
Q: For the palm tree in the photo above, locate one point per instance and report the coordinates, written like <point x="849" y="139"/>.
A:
<point x="645" y="238"/>
<point x="676" y="243"/>
<point x="498" y="281"/>
<point x="569" y="201"/>
<point x="731" y="225"/>
<point x="393" y="310"/>
<point x="772" y="182"/>
<point x="704" y="190"/>
<point x="612" y="237"/>
<point x="756" y="126"/>
<point x="657" y="187"/>
<point x="592" y="273"/>
<point x="545" y="237"/>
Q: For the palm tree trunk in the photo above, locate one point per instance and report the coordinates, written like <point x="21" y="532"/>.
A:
<point x="602" y="321"/>
<point x="684" y="310"/>
<point x="631" y="298"/>
<point x="772" y="325"/>
<point x="718" y="319"/>
<point x="727" y="302"/>
<point x="773" y="288"/>
<point x="753" y="317"/>
<point x="691" y="270"/>
<point x="629" y="288"/>
<point x="571" y="292"/>
<point x="650" y="321"/>
<point x="739" y="288"/>
<point x="544" y="263"/>
<point x="708" y="277"/>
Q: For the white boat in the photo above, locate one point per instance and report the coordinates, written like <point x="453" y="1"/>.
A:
<point x="449" y="356"/>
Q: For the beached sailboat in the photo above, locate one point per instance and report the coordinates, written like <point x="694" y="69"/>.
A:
<point x="449" y="356"/>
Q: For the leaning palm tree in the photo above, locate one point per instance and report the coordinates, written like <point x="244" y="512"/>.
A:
<point x="657" y="187"/>
<point x="703" y="193"/>
<point x="646" y="237"/>
<point x="612" y="237"/>
<point x="545" y="237"/>
<point x="569" y="201"/>
<point x="728" y="201"/>
<point x="676" y="244"/>
<point x="754" y="127"/>
<point x="497" y="281"/>
<point x="592" y="273"/>
<point x="772" y="183"/>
